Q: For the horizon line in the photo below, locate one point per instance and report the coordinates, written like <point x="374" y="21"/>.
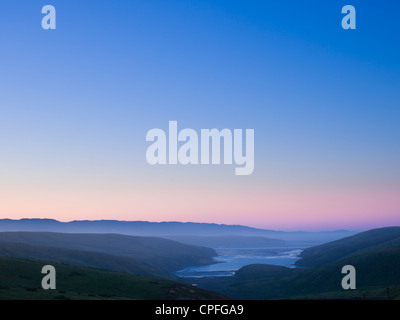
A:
<point x="209" y="223"/>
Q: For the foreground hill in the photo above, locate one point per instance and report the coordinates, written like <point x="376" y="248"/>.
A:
<point x="21" y="279"/>
<point x="159" y="253"/>
<point x="357" y="244"/>
<point x="82" y="258"/>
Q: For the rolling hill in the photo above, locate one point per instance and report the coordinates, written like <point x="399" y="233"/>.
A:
<point x="82" y="258"/>
<point x="144" y="252"/>
<point x="349" y="246"/>
<point x="21" y="280"/>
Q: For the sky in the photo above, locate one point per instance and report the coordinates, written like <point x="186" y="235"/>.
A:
<point x="77" y="102"/>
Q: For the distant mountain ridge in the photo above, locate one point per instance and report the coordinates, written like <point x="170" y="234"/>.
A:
<point x="159" y="229"/>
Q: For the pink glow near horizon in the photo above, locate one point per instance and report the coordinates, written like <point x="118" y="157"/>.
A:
<point x="289" y="210"/>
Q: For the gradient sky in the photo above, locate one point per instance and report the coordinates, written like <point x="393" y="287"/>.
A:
<point x="76" y="104"/>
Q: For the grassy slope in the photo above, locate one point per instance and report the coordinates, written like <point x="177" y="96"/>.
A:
<point x="82" y="258"/>
<point x="21" y="279"/>
<point x="357" y="244"/>
<point x="164" y="254"/>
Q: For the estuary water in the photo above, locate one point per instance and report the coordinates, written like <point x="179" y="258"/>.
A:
<point x="230" y="260"/>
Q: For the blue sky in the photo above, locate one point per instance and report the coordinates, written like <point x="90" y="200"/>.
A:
<point x="77" y="101"/>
